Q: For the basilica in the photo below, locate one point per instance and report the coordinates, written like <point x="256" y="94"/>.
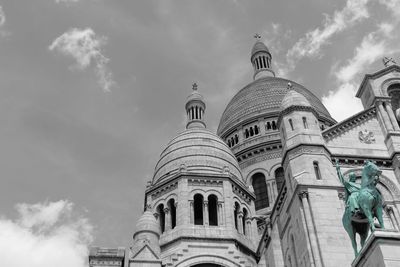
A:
<point x="263" y="190"/>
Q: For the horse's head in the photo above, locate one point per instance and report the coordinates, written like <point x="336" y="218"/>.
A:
<point x="370" y="174"/>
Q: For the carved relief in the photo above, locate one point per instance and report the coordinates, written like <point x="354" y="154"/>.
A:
<point x="163" y="190"/>
<point x="204" y="182"/>
<point x="366" y="137"/>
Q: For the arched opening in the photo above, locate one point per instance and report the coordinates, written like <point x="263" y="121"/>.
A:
<point x="279" y="178"/>
<point x="256" y="131"/>
<point x="236" y="139"/>
<point x="232" y="141"/>
<point x="235" y="214"/>
<point x="273" y="125"/>
<point x="316" y="170"/>
<point x="246" y="133"/>
<point x="172" y="210"/>
<point x="229" y="142"/>
<point x="268" y="126"/>
<point x="198" y="209"/>
<point x="394" y="92"/>
<point x="251" y="131"/>
<point x="305" y="124"/>
<point x="245" y="215"/>
<point x="260" y="189"/>
<point x="265" y="64"/>
<point x="161" y="217"/>
<point x="291" y="124"/>
<point x="213" y="210"/>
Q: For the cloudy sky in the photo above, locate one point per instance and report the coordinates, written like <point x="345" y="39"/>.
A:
<point x="92" y="90"/>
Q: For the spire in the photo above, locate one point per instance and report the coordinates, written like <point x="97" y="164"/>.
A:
<point x="195" y="108"/>
<point x="261" y="59"/>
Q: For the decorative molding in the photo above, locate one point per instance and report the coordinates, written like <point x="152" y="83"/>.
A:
<point x="241" y="194"/>
<point x="204" y="182"/>
<point x="348" y="124"/>
<point x="164" y="189"/>
<point x="366" y="137"/>
<point x="261" y="156"/>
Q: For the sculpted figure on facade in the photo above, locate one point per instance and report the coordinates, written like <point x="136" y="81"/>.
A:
<point x="363" y="203"/>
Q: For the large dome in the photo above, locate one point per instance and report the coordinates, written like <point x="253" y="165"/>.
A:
<point x="261" y="97"/>
<point x="196" y="151"/>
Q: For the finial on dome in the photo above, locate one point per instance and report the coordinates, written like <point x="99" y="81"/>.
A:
<point x="195" y="108"/>
<point x="261" y="59"/>
<point x="289" y="86"/>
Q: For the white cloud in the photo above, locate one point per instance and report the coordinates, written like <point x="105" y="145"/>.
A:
<point x="45" y="235"/>
<point x="2" y="16"/>
<point x="85" y="47"/>
<point x="342" y="103"/>
<point x="310" y="45"/>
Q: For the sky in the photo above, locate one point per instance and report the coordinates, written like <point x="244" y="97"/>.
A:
<point x="91" y="91"/>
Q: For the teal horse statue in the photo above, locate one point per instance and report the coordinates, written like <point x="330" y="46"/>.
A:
<point x="363" y="203"/>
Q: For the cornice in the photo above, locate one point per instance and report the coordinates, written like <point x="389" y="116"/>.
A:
<point x="376" y="75"/>
<point x="349" y="123"/>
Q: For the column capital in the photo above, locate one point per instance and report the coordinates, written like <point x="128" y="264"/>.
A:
<point x="166" y="210"/>
<point x="303" y="194"/>
<point x="156" y="214"/>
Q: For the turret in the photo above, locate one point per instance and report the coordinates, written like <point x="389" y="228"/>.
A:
<point x="261" y="59"/>
<point x="195" y="108"/>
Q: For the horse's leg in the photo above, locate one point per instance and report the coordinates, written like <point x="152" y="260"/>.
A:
<point x="379" y="215"/>
<point x="365" y="202"/>
<point x="350" y="230"/>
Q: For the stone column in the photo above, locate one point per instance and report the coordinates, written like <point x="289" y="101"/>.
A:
<point x="240" y="221"/>
<point x="220" y="215"/>
<point x="248" y="228"/>
<point x="191" y="208"/>
<point x="310" y="229"/>
<point x="205" y="213"/>
<point x="393" y="120"/>
<point x="385" y="117"/>
<point x="167" y="219"/>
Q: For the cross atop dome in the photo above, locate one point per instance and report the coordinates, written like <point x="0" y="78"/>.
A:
<point x="194" y="86"/>
<point x="257" y="36"/>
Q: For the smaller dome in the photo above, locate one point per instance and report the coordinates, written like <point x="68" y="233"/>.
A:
<point x="259" y="47"/>
<point x="293" y="98"/>
<point x="147" y="223"/>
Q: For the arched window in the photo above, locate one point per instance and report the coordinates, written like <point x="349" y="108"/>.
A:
<point x="172" y="210"/>
<point x="260" y="189"/>
<point x="232" y="141"/>
<point x="198" y="209"/>
<point x="393" y="91"/>
<point x="279" y="178"/>
<point x="256" y="131"/>
<point x="246" y="133"/>
<point x="265" y="64"/>
<point x="161" y="217"/>
<point x="273" y="125"/>
<point x="305" y="124"/>
<point x="235" y="214"/>
<point x="229" y="142"/>
<point x="268" y="126"/>
<point x="245" y="215"/>
<point x="213" y="210"/>
<point x="236" y="139"/>
<point x="316" y="170"/>
<point x="291" y="124"/>
<point x="251" y="131"/>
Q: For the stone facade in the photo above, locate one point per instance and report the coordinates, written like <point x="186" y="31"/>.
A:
<point x="264" y="191"/>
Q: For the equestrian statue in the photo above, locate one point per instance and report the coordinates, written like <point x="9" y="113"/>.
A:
<point x="363" y="203"/>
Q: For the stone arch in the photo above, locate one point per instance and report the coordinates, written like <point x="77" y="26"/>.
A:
<point x="385" y="84"/>
<point x="249" y="176"/>
<point x="209" y="192"/>
<point x="196" y="191"/>
<point x="208" y="258"/>
<point x="171" y="196"/>
<point x="388" y="188"/>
